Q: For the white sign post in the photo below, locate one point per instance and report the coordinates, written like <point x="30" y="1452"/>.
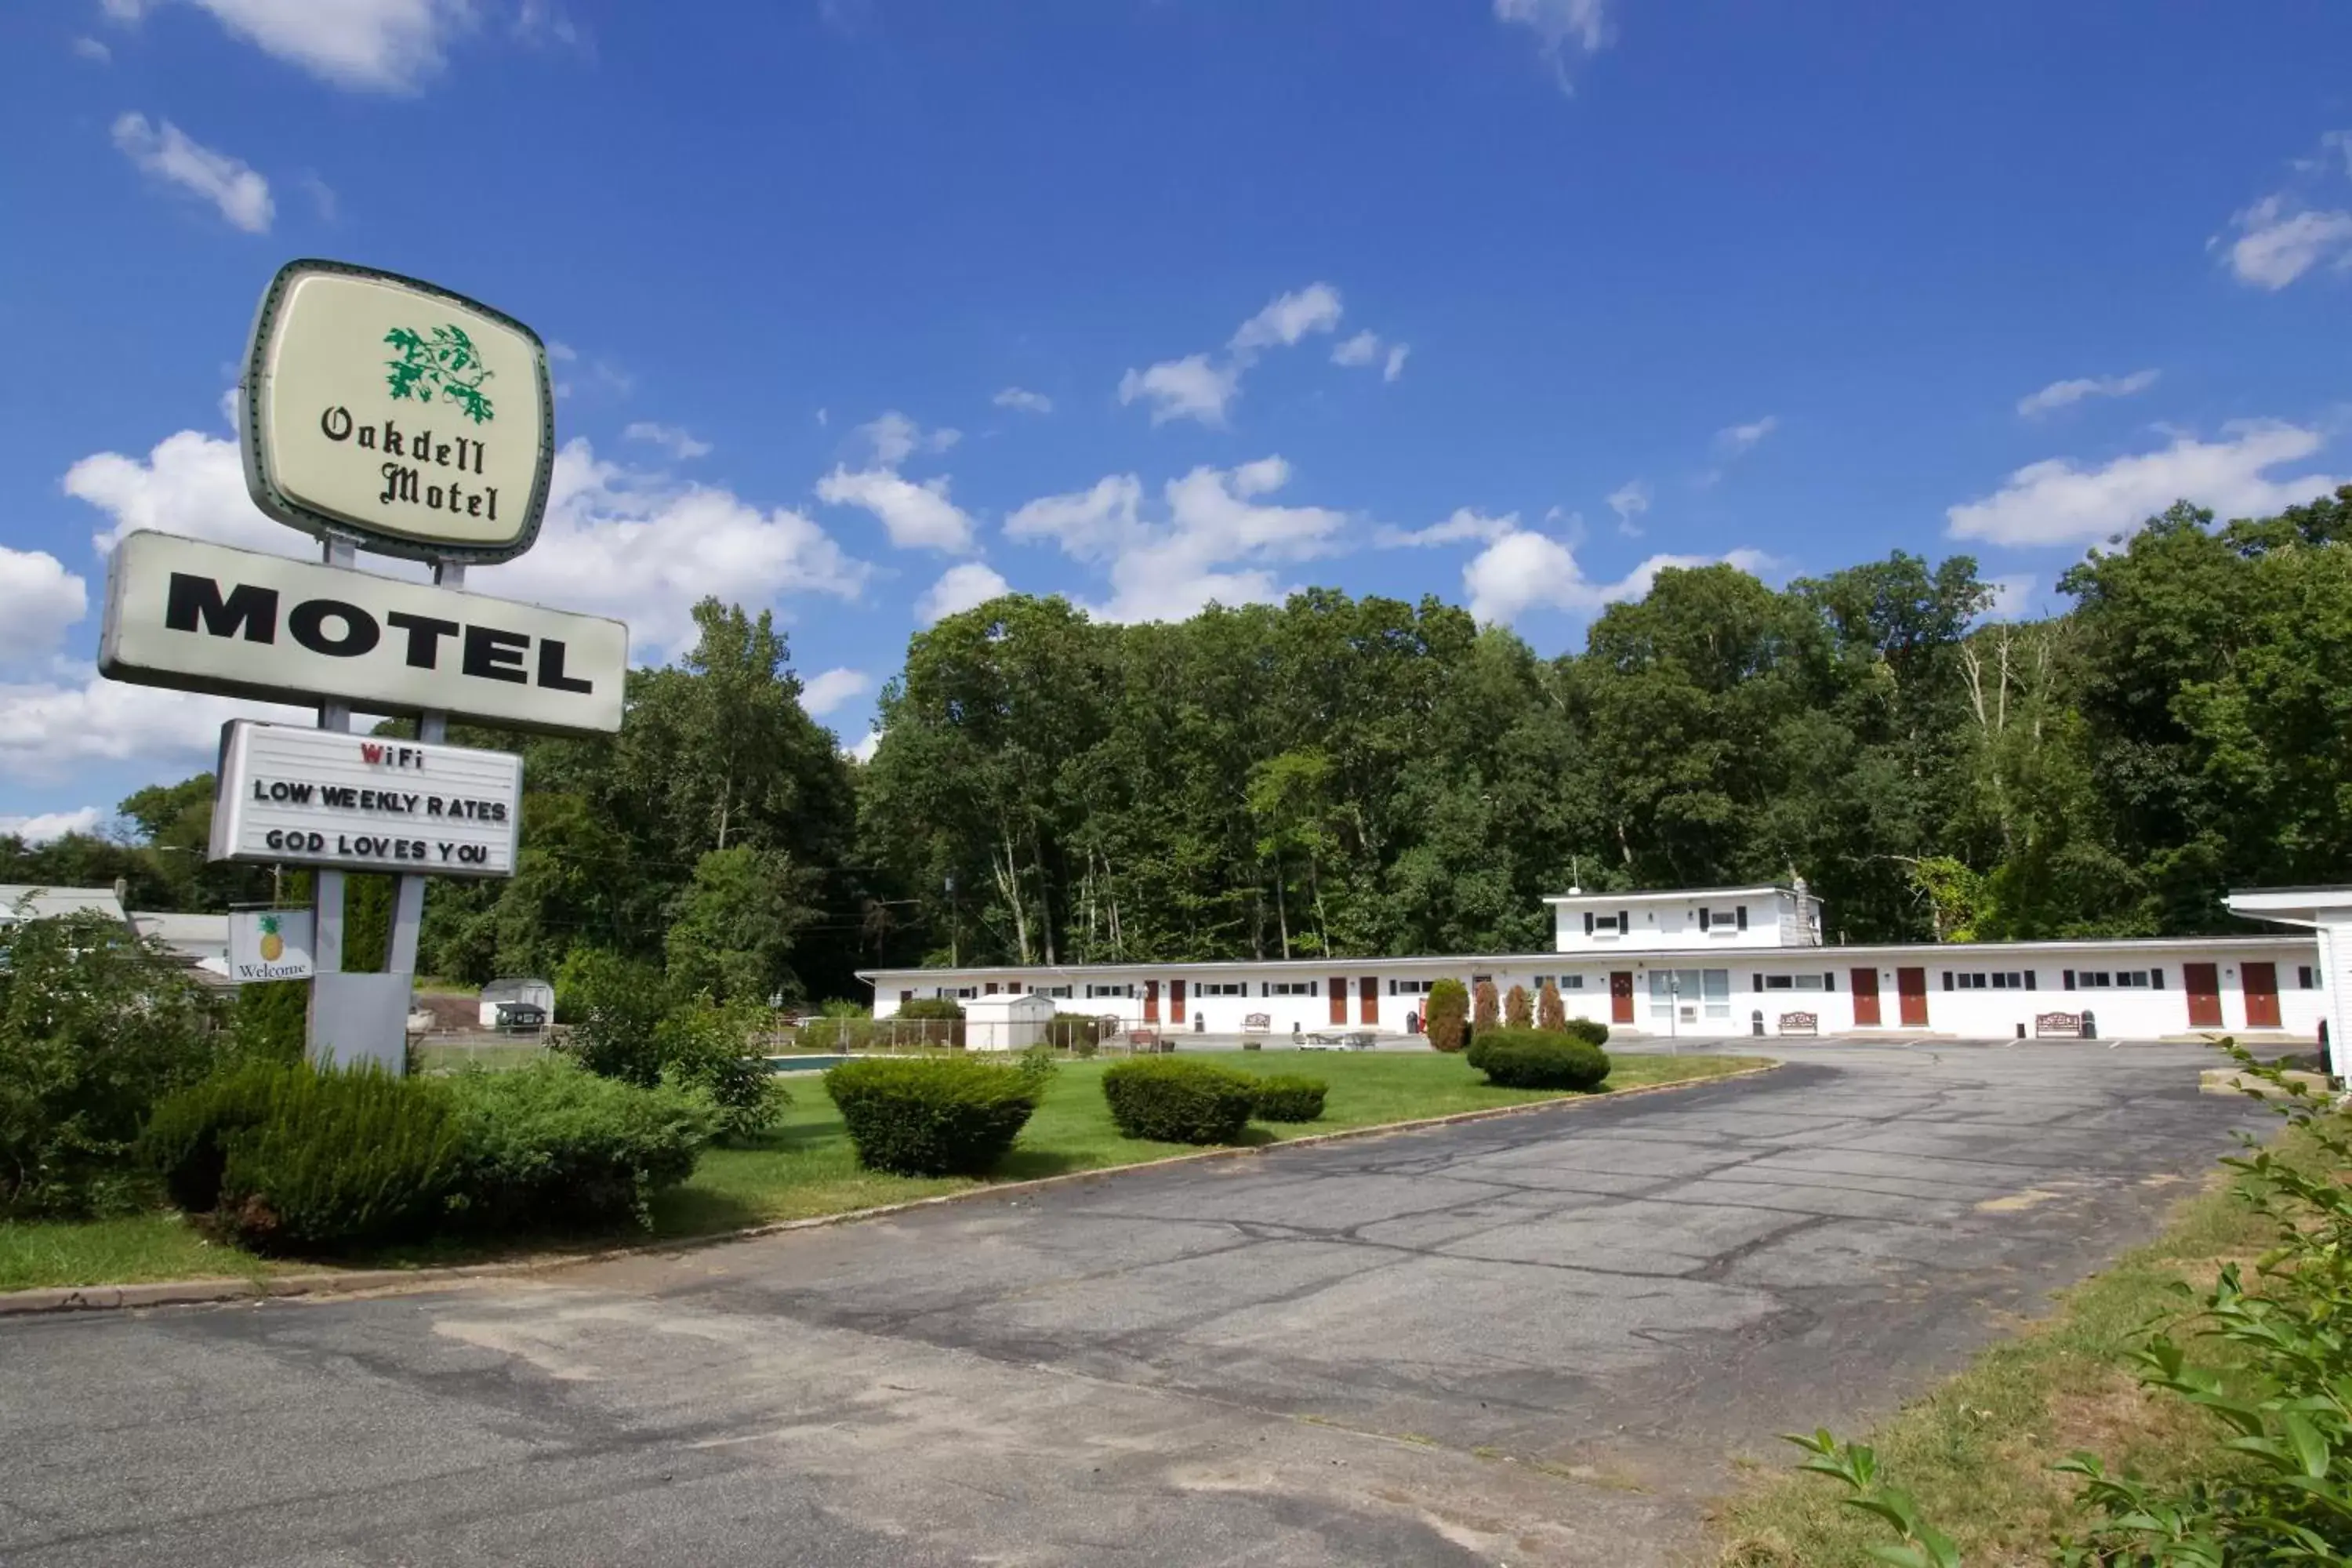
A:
<point x="379" y="412"/>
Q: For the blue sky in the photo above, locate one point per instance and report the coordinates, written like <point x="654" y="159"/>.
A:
<point x="865" y="307"/>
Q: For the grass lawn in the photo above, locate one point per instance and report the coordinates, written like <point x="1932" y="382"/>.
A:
<point x="1976" y="1453"/>
<point x="806" y="1167"/>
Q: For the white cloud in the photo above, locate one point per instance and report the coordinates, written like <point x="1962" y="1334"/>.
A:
<point x="38" y="600"/>
<point x="1187" y="388"/>
<point x="1288" y="318"/>
<point x="1197" y="387"/>
<point x="1630" y="500"/>
<point x="380" y="46"/>
<point x="2064" y="393"/>
<point x="1525" y="571"/>
<point x="1733" y="439"/>
<point x="616" y="541"/>
<point x="1395" y="366"/>
<point x="51" y="824"/>
<point x="92" y="49"/>
<point x="53" y="729"/>
<point x="917" y="516"/>
<point x="1463" y="526"/>
<point x="959" y="589"/>
<point x="2013" y="596"/>
<point x="897" y="439"/>
<point x="1568" y="27"/>
<point x="166" y="153"/>
<point x="2054" y="502"/>
<point x="863" y="750"/>
<point x="1217" y="541"/>
<point x="820" y="694"/>
<point x="1027" y="402"/>
<point x="2279" y="240"/>
<point x="678" y="442"/>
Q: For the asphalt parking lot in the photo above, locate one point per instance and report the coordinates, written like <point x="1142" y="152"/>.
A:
<point x="1539" y="1338"/>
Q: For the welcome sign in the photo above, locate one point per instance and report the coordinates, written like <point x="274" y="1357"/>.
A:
<point x="379" y="408"/>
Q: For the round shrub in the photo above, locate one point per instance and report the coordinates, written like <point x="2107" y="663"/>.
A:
<point x="1173" y="1100"/>
<point x="1538" y="1058"/>
<point x="1591" y="1031"/>
<point x="1286" y="1097"/>
<point x="289" y="1159"/>
<point x="933" y="1116"/>
<point x="554" y="1147"/>
<point x="1446" y="1015"/>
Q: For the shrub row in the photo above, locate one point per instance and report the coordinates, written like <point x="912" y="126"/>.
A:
<point x="933" y="1116"/>
<point x="1178" y="1099"/>
<point x="286" y="1158"/>
<point x="1540" y="1058"/>
<point x="1287" y="1096"/>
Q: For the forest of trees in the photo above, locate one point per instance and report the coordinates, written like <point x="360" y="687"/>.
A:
<point x="1361" y="776"/>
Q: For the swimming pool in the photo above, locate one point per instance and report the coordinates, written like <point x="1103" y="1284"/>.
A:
<point x="797" y="1063"/>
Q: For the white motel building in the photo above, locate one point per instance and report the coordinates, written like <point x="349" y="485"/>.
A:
<point x="1704" y="962"/>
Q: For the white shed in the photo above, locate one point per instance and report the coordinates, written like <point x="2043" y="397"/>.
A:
<point x="1006" y="1022"/>
<point x="536" y="994"/>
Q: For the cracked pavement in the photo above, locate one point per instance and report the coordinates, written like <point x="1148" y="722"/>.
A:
<point x="1537" y="1339"/>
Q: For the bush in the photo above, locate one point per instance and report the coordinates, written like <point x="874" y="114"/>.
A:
<point x="271" y="1020"/>
<point x="1484" y="1010"/>
<point x="1591" y="1031"/>
<point x="616" y="1005"/>
<point x="1538" y="1058"/>
<point x="552" y="1146"/>
<point x="933" y="1116"/>
<point x="1445" y="1014"/>
<point x="932" y="1007"/>
<point x="1518" y="1013"/>
<point x="713" y="1050"/>
<point x="1550" y="1013"/>
<point x="1177" y="1101"/>
<point x="289" y="1159"/>
<point x="1287" y="1096"/>
<point x="95" y="1026"/>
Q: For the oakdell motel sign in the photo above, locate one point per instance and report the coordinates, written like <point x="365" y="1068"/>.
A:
<point x="385" y="415"/>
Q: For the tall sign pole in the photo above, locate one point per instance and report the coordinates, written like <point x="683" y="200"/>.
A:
<point x="387" y="414"/>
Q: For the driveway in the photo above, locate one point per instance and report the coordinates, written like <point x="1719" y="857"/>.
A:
<point x="1539" y="1338"/>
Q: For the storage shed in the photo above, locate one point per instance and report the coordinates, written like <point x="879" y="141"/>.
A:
<point x="1005" y="1022"/>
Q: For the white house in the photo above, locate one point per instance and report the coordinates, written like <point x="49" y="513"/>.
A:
<point x="2326" y="913"/>
<point x="1714" y="962"/>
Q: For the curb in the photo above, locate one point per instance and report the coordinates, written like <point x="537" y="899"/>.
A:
<point x="48" y="1301"/>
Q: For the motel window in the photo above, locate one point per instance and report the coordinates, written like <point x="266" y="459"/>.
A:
<point x="1607" y="925"/>
<point x="909" y="997"/>
<point x="1292" y="988"/>
<point x="1061" y="991"/>
<point x="959" y="992"/>
<point x="1571" y="983"/>
<point x="1997" y="980"/>
<point x="1724" y="919"/>
<point x="2306" y="977"/>
<point x="1125" y="988"/>
<point x="2112" y="979"/>
<point x="1220" y="988"/>
<point x="1410" y="987"/>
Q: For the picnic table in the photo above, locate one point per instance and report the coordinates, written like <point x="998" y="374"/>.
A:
<point x="1338" y="1040"/>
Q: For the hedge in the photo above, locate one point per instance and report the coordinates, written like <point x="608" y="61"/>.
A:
<point x="1173" y="1100"/>
<point x="552" y="1146"/>
<point x="1286" y="1097"/>
<point x="933" y="1116"/>
<point x="1538" y="1058"/>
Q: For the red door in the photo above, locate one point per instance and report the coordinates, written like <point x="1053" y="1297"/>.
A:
<point x="1866" y="997"/>
<point x="2262" y="995"/>
<point x="1621" y="995"/>
<point x="1368" y="1008"/>
<point x="1151" y="1001"/>
<point x="1176" y="1004"/>
<point x="1911" y="990"/>
<point x="2204" y="983"/>
<point x="1339" y="999"/>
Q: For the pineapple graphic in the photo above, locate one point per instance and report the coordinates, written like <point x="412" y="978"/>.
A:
<point x="273" y="946"/>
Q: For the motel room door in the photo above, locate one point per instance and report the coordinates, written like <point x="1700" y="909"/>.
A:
<point x="2204" y="985"/>
<point x="1911" y="990"/>
<point x="1176" y="1004"/>
<point x="1368" y="1009"/>
<point x="1865" y="998"/>
<point x="1151" y="1001"/>
<point x="2261" y="981"/>
<point x="1621" y="995"/>
<point x="1339" y="999"/>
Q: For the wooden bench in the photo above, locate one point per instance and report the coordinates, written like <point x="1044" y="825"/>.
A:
<point x="2069" y="1025"/>
<point x="1799" y="1023"/>
<point x="1257" y="1024"/>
